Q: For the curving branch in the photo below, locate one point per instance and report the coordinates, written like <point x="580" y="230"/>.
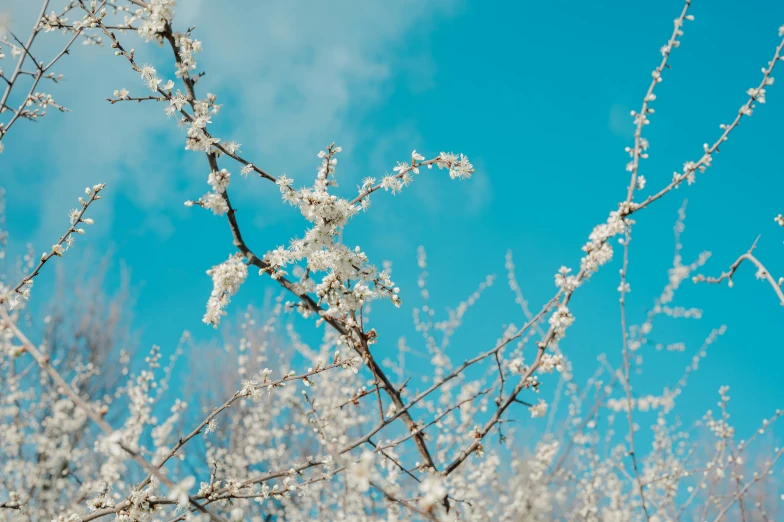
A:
<point x="762" y="273"/>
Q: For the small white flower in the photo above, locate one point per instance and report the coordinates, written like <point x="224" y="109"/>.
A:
<point x="246" y="169"/>
<point x="433" y="491"/>
<point x="179" y="492"/>
<point x="539" y="409"/>
<point x="640" y="182"/>
<point x="360" y="473"/>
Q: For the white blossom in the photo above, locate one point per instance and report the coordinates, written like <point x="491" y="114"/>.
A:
<point x="226" y="280"/>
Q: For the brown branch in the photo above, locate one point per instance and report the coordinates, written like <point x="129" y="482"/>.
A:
<point x="139" y="99"/>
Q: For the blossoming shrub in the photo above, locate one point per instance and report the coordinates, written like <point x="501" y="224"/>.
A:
<point x="290" y="431"/>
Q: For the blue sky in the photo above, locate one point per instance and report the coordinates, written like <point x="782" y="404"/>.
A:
<point x="537" y="94"/>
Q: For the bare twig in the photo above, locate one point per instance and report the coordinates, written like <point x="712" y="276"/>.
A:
<point x="762" y="273"/>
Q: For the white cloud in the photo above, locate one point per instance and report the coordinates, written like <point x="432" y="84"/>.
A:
<point x="293" y="76"/>
<point x="620" y="122"/>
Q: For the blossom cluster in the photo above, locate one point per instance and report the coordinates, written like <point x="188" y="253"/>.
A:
<point x="350" y="280"/>
<point x="226" y="280"/>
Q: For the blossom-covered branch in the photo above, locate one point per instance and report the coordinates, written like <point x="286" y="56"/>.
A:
<point x="41" y="69"/>
<point x="76" y="216"/>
